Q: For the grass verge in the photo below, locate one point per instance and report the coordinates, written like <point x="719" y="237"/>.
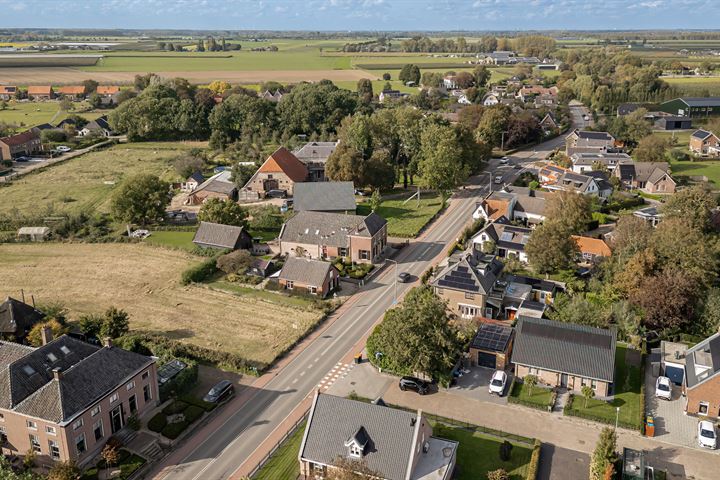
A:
<point x="283" y="464"/>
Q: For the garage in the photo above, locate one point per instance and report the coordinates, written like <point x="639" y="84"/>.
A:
<point x="491" y="345"/>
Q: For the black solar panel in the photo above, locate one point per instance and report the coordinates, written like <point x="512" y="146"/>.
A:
<point x="492" y="337"/>
<point x="567" y="335"/>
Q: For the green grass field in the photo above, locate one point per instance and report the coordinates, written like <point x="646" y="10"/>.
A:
<point x="28" y="114"/>
<point x="172" y="239"/>
<point x="692" y="86"/>
<point x="86" y="183"/>
<point x="406" y="220"/>
<point x="283" y="464"/>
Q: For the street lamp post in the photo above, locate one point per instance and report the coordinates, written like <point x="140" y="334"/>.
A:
<point x="617" y="416"/>
<point x="396" y="279"/>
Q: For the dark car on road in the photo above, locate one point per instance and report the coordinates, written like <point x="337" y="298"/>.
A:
<point x="276" y="194"/>
<point x="220" y="392"/>
<point x="411" y="383"/>
<point x="404" y="277"/>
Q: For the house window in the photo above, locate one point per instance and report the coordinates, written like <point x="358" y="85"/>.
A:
<point x="31" y="425"/>
<point x="78" y="424"/>
<point x="54" y="449"/>
<point x="593" y="384"/>
<point x="583" y="382"/>
<point x="35" y="444"/>
<point x="2" y="417"/>
<point x="342" y="251"/>
<point x="289" y="284"/>
<point x="3" y="435"/>
<point x="270" y="177"/>
<point x="470" y="296"/>
<point x="114" y="398"/>
<point x="98" y="430"/>
<point x="147" y="393"/>
<point x="95" y="411"/>
<point x="703" y="408"/>
<point x="50" y="430"/>
<point x="364" y="255"/>
<point x="80" y="444"/>
<point x="130" y="386"/>
<point x="312" y="290"/>
<point x="355" y="451"/>
<point x="145" y="375"/>
<point x="534" y="371"/>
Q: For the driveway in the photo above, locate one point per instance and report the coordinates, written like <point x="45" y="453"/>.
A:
<point x="557" y="463"/>
<point x="474" y="385"/>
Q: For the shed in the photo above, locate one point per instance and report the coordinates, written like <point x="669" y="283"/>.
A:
<point x="492" y="345"/>
<point x="217" y="235"/>
<point x="33" y="234"/>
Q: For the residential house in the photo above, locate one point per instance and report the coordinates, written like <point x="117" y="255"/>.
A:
<point x="99" y="126"/>
<point x="386" y="95"/>
<point x="192" y="182"/>
<point x="649" y="177"/>
<point x="704" y="143"/>
<point x="72" y="92"/>
<point x="65" y="399"/>
<point x="591" y="249"/>
<point x="584" y="141"/>
<point x="40" y="92"/>
<point x="515" y="203"/>
<point x="565" y="355"/>
<point x="7" y="92"/>
<point x="314" y="277"/>
<point x="17" y="319"/>
<point x="272" y="97"/>
<point x="701" y="384"/>
<point x="491" y="99"/>
<point x="527" y="93"/>
<point x="548" y="124"/>
<point x="672" y="360"/>
<point x="509" y="240"/>
<point x="585" y="162"/>
<point x="492" y="345"/>
<point x="394" y="443"/>
<point x="515" y="295"/>
<point x="324" y="197"/>
<point x="692" y="106"/>
<point x="627" y="108"/>
<point x="20" y="144"/>
<point x="467" y="284"/>
<point x="650" y="214"/>
<point x="314" y="155"/>
<point x="222" y="237"/>
<point x="556" y="178"/>
<point x="330" y="235"/>
<point x="450" y="82"/>
<point x="673" y="122"/>
<point x="500" y="57"/>
<point x="281" y="171"/>
<point x="218" y="186"/>
<point x="108" y="94"/>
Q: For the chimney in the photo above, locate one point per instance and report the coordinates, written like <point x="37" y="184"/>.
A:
<point x="108" y="342"/>
<point x="46" y="335"/>
<point x="57" y="373"/>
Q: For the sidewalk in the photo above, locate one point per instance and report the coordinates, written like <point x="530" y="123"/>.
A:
<point x="564" y="432"/>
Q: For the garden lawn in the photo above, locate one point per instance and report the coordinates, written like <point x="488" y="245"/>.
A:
<point x="406" y="220"/>
<point x="278" y="298"/>
<point x="708" y="168"/>
<point x="172" y="239"/>
<point x="283" y="464"/>
<point x="628" y="381"/>
<point x="28" y="114"/>
<point x="479" y="454"/>
<point x="541" y="397"/>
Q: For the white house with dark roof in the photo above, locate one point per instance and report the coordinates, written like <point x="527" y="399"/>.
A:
<point x="396" y="444"/>
<point x="509" y="240"/>
<point x="584" y="162"/>
<point x="586" y="141"/>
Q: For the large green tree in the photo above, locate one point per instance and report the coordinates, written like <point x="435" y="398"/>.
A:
<point x="441" y="161"/>
<point x="141" y="199"/>
<point x="694" y="205"/>
<point x="225" y="212"/>
<point x="315" y="108"/>
<point x="569" y="211"/>
<point x="240" y="115"/>
<point x="551" y="248"/>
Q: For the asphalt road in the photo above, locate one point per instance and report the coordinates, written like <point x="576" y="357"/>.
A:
<point x="218" y="455"/>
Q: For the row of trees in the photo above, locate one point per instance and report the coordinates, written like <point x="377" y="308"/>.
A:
<point x="529" y="45"/>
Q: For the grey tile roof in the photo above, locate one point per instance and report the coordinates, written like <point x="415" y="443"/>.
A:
<point x="331" y="229"/>
<point x="507" y="236"/>
<point x="99" y="123"/>
<point x="643" y="171"/>
<point x="594" y="135"/>
<point x="306" y="271"/>
<point x="219" y="235"/>
<point x="219" y="183"/>
<point x="334" y="420"/>
<point x="588" y="158"/>
<point x="17" y="317"/>
<point x="565" y="347"/>
<point x="324" y="196"/>
<point x="470" y="274"/>
<point x="315" y="152"/>
<point x="702" y="362"/>
<point x="88" y="373"/>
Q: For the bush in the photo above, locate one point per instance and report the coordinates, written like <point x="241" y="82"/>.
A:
<point x="505" y="451"/>
<point x="192" y="413"/>
<point x="157" y="422"/>
<point x="173" y="430"/>
<point x="134" y="422"/>
<point x="532" y="470"/>
<point x="183" y="382"/>
<point x="234" y="262"/>
<point x="199" y="272"/>
<point x="178" y="406"/>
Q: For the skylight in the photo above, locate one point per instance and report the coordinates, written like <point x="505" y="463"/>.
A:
<point x="28" y="370"/>
<point x="65" y="350"/>
<point x="51" y="356"/>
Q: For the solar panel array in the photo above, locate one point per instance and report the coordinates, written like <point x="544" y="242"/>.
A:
<point x="492" y="337"/>
<point x="568" y="335"/>
<point x="459" y="278"/>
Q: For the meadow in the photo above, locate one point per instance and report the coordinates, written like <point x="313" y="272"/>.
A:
<point x="696" y="86"/>
<point x="27" y="114"/>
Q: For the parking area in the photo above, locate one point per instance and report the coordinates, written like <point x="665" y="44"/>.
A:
<point x="474" y="384"/>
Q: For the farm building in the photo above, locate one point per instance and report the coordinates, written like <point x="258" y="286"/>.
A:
<point x="33" y="234"/>
<point x="692" y="106"/>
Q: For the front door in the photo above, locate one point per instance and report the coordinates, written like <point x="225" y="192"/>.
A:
<point x="132" y="403"/>
<point x="117" y="418"/>
<point x="563" y="380"/>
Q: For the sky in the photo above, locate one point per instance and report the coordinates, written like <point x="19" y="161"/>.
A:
<point x="373" y="15"/>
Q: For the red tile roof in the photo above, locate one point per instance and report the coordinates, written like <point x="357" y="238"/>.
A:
<point x="40" y="90"/>
<point x="8" y="89"/>
<point x="20" y="138"/>
<point x="282" y="161"/>
<point x="593" y="246"/>
<point x="107" y="90"/>
<point x="72" y="90"/>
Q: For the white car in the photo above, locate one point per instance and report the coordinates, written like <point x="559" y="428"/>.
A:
<point x="663" y="388"/>
<point x="706" y="435"/>
<point x="498" y="179"/>
<point x="497" y="383"/>
<point x="504" y="160"/>
<point x="140" y="234"/>
<point x="63" y="149"/>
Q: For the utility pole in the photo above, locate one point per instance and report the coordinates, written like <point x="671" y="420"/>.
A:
<point x="502" y="142"/>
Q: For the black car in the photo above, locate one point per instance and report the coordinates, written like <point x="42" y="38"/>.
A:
<point x="404" y="277"/>
<point x="412" y="383"/>
<point x="276" y="193"/>
<point x="220" y="392"/>
<point x="23" y="159"/>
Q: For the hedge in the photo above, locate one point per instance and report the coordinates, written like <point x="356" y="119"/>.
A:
<point x="192" y="413"/>
<point x="534" y="465"/>
<point x="199" y="272"/>
<point x="157" y="423"/>
<point x="175" y="407"/>
<point x="173" y="430"/>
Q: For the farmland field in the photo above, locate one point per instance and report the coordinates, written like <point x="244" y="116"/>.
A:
<point x="27" y="114"/>
<point x="696" y="86"/>
<point x="144" y="281"/>
<point x="79" y="184"/>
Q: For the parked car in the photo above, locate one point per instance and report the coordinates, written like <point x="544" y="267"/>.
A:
<point x="23" y="159"/>
<point x="63" y="148"/>
<point x="706" y="435"/>
<point x="497" y="383"/>
<point x="498" y="179"/>
<point x="276" y="193"/>
<point x="412" y="383"/>
<point x="140" y="234"/>
<point x="220" y="392"/>
<point x="360" y="192"/>
<point x="404" y="277"/>
<point x="663" y="388"/>
<point x="504" y="160"/>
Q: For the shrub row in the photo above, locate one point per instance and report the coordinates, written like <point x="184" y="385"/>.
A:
<point x="199" y="272"/>
<point x="532" y="470"/>
<point x="173" y="430"/>
<point x="178" y="406"/>
<point x="157" y="422"/>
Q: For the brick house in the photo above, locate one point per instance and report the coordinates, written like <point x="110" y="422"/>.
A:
<point x="649" y="177"/>
<point x="315" y="155"/>
<point x="315" y="277"/>
<point x="108" y="94"/>
<point x="66" y="398"/>
<point x="20" y="144"/>
<point x="396" y="444"/>
<point x="323" y="235"/>
<point x="701" y="383"/>
<point x="7" y="92"/>
<point x="41" y="92"/>
<point x="584" y="141"/>
<point x="72" y="92"/>
<point x="565" y="355"/>
<point x="703" y="142"/>
<point x="281" y="171"/>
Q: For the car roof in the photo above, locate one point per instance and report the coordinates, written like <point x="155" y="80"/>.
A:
<point x="222" y="383"/>
<point x="705" y="423"/>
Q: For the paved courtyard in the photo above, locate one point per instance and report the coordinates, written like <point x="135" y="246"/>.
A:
<point x="474" y="384"/>
<point x="559" y="463"/>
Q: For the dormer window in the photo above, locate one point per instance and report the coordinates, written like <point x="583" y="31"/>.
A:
<point x="355" y="451"/>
